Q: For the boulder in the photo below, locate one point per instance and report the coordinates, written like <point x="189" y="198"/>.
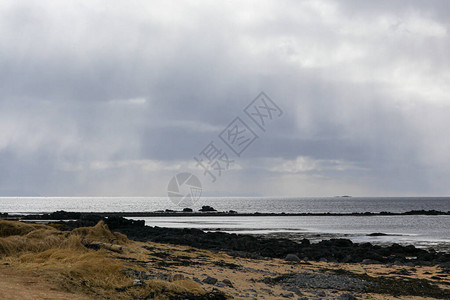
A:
<point x="210" y="280"/>
<point x="346" y="296"/>
<point x="291" y="257"/>
<point x="206" y="208"/>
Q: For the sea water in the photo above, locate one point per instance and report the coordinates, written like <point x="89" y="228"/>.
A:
<point x="422" y="231"/>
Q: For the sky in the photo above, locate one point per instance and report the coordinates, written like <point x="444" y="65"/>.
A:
<point x="114" y="98"/>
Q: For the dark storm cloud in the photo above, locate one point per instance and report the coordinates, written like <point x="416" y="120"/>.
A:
<point x="113" y="98"/>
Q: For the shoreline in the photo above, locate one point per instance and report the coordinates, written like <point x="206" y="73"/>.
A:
<point x="100" y="262"/>
<point x="376" y="237"/>
<point x="330" y="250"/>
<point x="170" y="213"/>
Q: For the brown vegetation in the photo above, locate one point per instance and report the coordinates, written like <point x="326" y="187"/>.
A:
<point x="63" y="258"/>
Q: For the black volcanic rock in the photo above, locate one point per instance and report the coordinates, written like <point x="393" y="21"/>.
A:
<point x="206" y="208"/>
<point x="333" y="250"/>
<point x="119" y="222"/>
<point x="57" y="215"/>
<point x="377" y="234"/>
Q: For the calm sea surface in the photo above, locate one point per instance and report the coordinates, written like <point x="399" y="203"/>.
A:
<point x="422" y="231"/>
<point x="244" y="204"/>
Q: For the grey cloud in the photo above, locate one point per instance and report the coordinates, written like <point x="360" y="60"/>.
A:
<point x="352" y="85"/>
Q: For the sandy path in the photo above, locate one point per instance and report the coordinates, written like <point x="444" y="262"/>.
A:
<point x="16" y="285"/>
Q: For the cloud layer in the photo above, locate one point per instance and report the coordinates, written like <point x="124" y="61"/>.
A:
<point x="114" y="98"/>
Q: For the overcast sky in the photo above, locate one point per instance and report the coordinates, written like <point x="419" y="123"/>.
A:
<point x="113" y="98"/>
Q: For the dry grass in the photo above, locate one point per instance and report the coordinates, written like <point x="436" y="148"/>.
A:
<point x="62" y="258"/>
<point x="8" y="228"/>
<point x="18" y="238"/>
<point x="99" y="233"/>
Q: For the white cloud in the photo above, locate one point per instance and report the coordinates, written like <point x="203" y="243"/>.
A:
<point x="131" y="101"/>
<point x="304" y="164"/>
<point x="143" y="164"/>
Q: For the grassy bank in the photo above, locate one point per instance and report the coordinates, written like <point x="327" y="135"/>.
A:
<point x="71" y="262"/>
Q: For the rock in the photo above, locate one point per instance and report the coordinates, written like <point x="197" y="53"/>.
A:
<point x="347" y="296"/>
<point x="368" y="261"/>
<point x="321" y="294"/>
<point x="221" y="284"/>
<point x="197" y="280"/>
<point x="187" y="210"/>
<point x="291" y="257"/>
<point x="323" y="259"/>
<point x="207" y="208"/>
<point x="377" y="234"/>
<point x="295" y="290"/>
<point x="215" y="294"/>
<point x="210" y="280"/>
<point x="61" y="215"/>
<point x="228" y="282"/>
<point x="57" y="215"/>
<point x="267" y="290"/>
<point x="305" y="242"/>
<point x="321" y="282"/>
<point x="114" y="222"/>
<point x="347" y="259"/>
<point x="398" y="263"/>
<point x="341" y="242"/>
<point x="287" y="295"/>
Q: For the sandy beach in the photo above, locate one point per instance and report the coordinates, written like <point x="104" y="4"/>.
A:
<point x="43" y="262"/>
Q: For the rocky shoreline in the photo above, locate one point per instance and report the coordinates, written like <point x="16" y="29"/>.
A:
<point x="89" y="256"/>
<point x="208" y="212"/>
<point x="332" y="250"/>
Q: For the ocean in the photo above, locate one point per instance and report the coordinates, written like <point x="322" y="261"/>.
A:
<point x="421" y="231"/>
